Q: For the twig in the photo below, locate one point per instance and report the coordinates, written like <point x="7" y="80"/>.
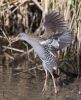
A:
<point x="17" y="7"/>
<point x="38" y="5"/>
<point x="26" y="71"/>
<point x="21" y="3"/>
<point x="32" y="24"/>
<point x="2" y="37"/>
<point x="4" y="34"/>
<point x="9" y="56"/>
<point x="37" y="67"/>
<point x="72" y="21"/>
<point x="18" y="50"/>
<point x="14" y="49"/>
<point x="75" y="16"/>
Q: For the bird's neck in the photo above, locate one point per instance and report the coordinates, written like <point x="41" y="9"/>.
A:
<point x="35" y="43"/>
<point x="31" y="40"/>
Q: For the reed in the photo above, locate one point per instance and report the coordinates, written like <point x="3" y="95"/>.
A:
<point x="17" y="16"/>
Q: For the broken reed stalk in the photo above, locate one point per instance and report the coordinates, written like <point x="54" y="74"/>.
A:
<point x="18" y="50"/>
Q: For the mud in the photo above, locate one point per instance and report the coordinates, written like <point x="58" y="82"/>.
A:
<point x="19" y="84"/>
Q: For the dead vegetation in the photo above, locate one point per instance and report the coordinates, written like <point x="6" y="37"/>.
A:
<point x="26" y="16"/>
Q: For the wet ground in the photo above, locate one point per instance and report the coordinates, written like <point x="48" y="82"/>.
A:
<point x="27" y="85"/>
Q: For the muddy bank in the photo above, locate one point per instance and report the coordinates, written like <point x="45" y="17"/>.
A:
<point x="24" y="86"/>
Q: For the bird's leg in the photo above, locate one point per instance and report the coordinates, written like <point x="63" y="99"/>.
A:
<point x="45" y="83"/>
<point x="55" y="87"/>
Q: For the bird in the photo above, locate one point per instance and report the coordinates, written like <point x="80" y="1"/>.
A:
<point x="56" y="37"/>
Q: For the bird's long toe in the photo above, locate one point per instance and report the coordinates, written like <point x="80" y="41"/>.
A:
<point x="56" y="90"/>
<point x="44" y="88"/>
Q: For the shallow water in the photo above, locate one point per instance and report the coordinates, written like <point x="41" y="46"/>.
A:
<point x="24" y="86"/>
<point x="15" y="86"/>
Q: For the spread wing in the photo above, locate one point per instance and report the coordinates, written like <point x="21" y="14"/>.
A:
<point x="54" y="22"/>
<point x="58" y="41"/>
<point x="56" y="34"/>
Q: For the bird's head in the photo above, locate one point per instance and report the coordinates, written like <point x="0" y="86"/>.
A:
<point x="22" y="36"/>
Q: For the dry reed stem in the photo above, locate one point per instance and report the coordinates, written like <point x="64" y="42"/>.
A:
<point x="67" y="10"/>
<point x="14" y="49"/>
<point x="75" y="16"/>
<point x="63" y="6"/>
<point x="9" y="56"/>
<point x="26" y="71"/>
<point x="17" y="7"/>
<point x="38" y="5"/>
<point x="18" y="50"/>
<point x="5" y="35"/>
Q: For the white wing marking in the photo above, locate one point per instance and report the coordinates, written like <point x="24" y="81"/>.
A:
<point x="50" y="42"/>
<point x="55" y="43"/>
<point x="46" y="42"/>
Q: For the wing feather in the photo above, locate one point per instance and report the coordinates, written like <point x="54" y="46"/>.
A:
<point x="55" y="22"/>
<point x="58" y="41"/>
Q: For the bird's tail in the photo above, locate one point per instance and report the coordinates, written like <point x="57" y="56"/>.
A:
<point x="69" y="74"/>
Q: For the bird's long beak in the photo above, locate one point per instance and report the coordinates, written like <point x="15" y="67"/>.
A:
<point x="14" y="39"/>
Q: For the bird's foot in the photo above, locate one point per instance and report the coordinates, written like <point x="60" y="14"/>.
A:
<point x="56" y="90"/>
<point x="44" y="89"/>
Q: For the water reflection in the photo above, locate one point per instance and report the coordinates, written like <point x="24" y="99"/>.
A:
<point x="25" y="86"/>
<point x="18" y="86"/>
